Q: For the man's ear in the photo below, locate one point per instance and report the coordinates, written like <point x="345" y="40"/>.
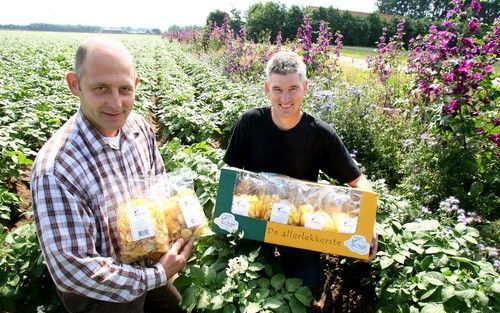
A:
<point x="305" y="85"/>
<point x="267" y="86"/>
<point x="73" y="83"/>
<point x="137" y="80"/>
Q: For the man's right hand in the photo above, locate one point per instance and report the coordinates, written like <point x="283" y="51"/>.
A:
<point x="176" y="257"/>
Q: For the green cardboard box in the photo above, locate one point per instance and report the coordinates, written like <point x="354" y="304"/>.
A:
<point x="284" y="211"/>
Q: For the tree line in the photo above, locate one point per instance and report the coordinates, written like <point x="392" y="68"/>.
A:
<point x="263" y="21"/>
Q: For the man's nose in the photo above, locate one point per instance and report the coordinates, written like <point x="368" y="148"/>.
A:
<point x="115" y="99"/>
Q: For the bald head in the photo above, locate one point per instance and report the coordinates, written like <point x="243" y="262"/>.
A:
<point x="97" y="47"/>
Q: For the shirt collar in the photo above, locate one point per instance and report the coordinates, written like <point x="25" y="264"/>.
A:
<point x="95" y="140"/>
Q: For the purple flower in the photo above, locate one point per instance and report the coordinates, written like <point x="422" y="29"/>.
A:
<point x="480" y="131"/>
<point x="495" y="138"/>
<point x="488" y="69"/>
<point x="447" y="24"/>
<point x="473" y="24"/>
<point x="476" y="6"/>
<point x="478" y="76"/>
<point x="449" y="78"/>
<point x="496" y="121"/>
<point x="452" y="107"/>
<point x="467" y="41"/>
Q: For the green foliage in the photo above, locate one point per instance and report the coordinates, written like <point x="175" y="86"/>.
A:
<point x="425" y="265"/>
<point x="204" y="160"/>
<point x="25" y="284"/>
<point x="228" y="275"/>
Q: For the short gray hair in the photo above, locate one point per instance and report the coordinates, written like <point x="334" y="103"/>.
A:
<point x="284" y="63"/>
<point x="89" y="44"/>
<point x="81" y="54"/>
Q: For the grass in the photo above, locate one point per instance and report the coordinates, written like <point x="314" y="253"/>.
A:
<point x="358" y="52"/>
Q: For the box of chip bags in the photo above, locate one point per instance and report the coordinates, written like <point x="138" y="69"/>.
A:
<point x="160" y="210"/>
<point x="285" y="211"/>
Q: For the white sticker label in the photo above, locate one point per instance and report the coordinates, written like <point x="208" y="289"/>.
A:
<point x="240" y="205"/>
<point x="358" y="244"/>
<point x="315" y="221"/>
<point x="347" y="225"/>
<point x="141" y="225"/>
<point x="280" y="212"/>
<point x="227" y="222"/>
<point x="192" y="211"/>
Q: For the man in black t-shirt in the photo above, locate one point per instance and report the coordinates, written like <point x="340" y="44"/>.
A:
<point x="285" y="140"/>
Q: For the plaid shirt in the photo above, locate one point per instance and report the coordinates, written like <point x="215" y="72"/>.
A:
<point x="77" y="181"/>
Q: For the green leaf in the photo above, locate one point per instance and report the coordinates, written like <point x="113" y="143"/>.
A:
<point x="428" y="293"/>
<point x="189" y="298"/>
<point x="253" y="255"/>
<point x="255" y="267"/>
<point x="434" y="278"/>
<point x="385" y="262"/>
<point x="263" y="283"/>
<point x="296" y="306"/>
<point x="433" y="250"/>
<point x="470" y="239"/>
<point x="433" y="308"/>
<point x="271" y="303"/>
<point x="304" y="295"/>
<point x="495" y="288"/>
<point x="292" y="284"/>
<point x="252" y="308"/>
<point x="229" y="308"/>
<point x="447" y="293"/>
<point x="277" y="281"/>
<point x="461" y="228"/>
<point x="466" y="294"/>
<point x="218" y="302"/>
<point x="204" y="300"/>
<point x="400" y="258"/>
<point x="197" y="275"/>
<point x="182" y="282"/>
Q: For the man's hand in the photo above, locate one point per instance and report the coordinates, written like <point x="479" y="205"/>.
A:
<point x="374" y="245"/>
<point x="176" y="257"/>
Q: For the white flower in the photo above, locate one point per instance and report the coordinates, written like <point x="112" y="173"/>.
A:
<point x="237" y="265"/>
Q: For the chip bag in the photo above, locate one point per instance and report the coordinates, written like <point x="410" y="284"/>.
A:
<point x="160" y="210"/>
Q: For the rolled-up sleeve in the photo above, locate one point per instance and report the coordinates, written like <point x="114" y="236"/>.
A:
<point x="67" y="237"/>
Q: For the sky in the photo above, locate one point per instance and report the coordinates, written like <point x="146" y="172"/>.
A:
<point x="142" y="13"/>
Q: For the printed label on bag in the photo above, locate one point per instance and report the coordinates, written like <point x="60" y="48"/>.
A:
<point x="141" y="225"/>
<point x="191" y="210"/>
<point x="315" y="221"/>
<point x="240" y="206"/>
<point x="280" y="212"/>
<point x="347" y="225"/>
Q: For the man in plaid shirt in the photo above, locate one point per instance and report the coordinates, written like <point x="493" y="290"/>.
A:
<point x="82" y="173"/>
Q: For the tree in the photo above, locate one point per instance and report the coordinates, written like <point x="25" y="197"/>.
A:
<point x="216" y="16"/>
<point x="294" y="18"/>
<point x="265" y="20"/>
<point x="235" y="21"/>
<point x="435" y="9"/>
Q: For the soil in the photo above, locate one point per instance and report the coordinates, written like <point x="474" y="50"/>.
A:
<point x="348" y="288"/>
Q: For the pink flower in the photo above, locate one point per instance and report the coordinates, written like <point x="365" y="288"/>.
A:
<point x="488" y="69"/>
<point x="473" y="24"/>
<point x="467" y="41"/>
<point x="449" y="77"/>
<point x="478" y="76"/>
<point x="476" y="6"/>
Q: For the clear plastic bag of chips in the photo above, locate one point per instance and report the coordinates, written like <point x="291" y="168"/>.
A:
<point x="281" y="199"/>
<point x="160" y="210"/>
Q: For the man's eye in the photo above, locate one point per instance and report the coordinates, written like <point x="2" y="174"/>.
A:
<point x="100" y="89"/>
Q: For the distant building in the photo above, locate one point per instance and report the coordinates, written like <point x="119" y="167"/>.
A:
<point x="113" y="30"/>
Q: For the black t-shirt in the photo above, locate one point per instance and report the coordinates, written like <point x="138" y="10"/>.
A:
<point x="258" y="145"/>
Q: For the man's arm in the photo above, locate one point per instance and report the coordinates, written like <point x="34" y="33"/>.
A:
<point x="66" y="234"/>
<point x="362" y="183"/>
